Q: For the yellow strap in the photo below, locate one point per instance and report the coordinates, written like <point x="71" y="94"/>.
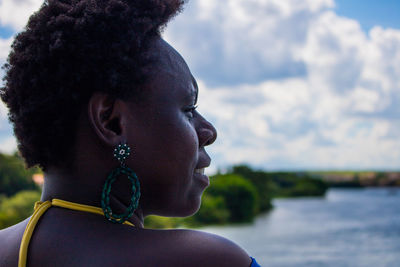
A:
<point x="40" y="209"/>
<point x="75" y="206"/>
<point x="80" y="207"/>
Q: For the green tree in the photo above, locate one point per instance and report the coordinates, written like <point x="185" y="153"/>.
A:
<point x="17" y="208"/>
<point x="14" y="177"/>
<point x="213" y="210"/>
<point x="240" y="196"/>
<point x="158" y="222"/>
<point x="306" y="186"/>
<point x="261" y="181"/>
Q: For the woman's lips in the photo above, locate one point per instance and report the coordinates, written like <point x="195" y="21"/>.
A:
<point x="199" y="174"/>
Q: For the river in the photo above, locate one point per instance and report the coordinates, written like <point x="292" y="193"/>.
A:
<point x="347" y="227"/>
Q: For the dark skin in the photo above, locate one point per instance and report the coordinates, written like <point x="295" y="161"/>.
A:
<point x="168" y="138"/>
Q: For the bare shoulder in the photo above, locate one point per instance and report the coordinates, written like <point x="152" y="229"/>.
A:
<point x="196" y="248"/>
<point x="10" y="239"/>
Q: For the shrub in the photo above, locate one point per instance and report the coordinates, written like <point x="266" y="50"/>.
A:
<point x="213" y="210"/>
<point x="13" y="175"/>
<point x="240" y="196"/>
<point x="262" y="183"/>
<point x="17" y="208"/>
<point x="309" y="187"/>
<point x="158" y="222"/>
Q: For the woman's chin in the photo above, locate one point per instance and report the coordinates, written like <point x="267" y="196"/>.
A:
<point x="193" y="208"/>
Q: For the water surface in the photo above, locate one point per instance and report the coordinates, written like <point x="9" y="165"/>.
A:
<point x="348" y="227"/>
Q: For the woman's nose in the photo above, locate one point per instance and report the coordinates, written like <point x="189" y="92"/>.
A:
<point x="206" y="132"/>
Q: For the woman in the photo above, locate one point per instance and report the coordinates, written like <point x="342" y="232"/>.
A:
<point x="96" y="96"/>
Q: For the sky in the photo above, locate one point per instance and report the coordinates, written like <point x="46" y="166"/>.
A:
<point x="289" y="84"/>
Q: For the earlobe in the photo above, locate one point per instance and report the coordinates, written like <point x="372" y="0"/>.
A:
<point x="105" y="117"/>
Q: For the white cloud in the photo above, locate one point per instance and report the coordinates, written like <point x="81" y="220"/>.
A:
<point x="8" y="145"/>
<point x="3" y="112"/>
<point x="5" y="46"/>
<point x="4" y="50"/>
<point x="363" y="100"/>
<point x="244" y="41"/>
<point x="15" y="13"/>
<point x="307" y="88"/>
<point x="279" y="130"/>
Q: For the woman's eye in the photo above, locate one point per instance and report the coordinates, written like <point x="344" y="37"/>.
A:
<point x="190" y="111"/>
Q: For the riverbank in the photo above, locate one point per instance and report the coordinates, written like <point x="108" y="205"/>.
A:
<point x="359" y="178"/>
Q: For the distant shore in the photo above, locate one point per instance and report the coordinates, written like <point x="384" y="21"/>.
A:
<point x="359" y="178"/>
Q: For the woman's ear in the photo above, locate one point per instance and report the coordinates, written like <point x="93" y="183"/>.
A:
<point x="106" y="116"/>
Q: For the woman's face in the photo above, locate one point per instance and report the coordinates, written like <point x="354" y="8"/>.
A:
<point x="168" y="137"/>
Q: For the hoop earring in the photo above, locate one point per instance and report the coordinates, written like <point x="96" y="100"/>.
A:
<point x="121" y="153"/>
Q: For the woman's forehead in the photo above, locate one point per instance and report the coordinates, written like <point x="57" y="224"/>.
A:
<point x="171" y="77"/>
<point x="169" y="60"/>
<point x="171" y="67"/>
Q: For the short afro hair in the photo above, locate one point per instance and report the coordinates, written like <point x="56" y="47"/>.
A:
<point x="69" y="50"/>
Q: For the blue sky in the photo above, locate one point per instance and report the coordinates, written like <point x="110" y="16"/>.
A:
<point x="371" y="12"/>
<point x="6" y="32"/>
<point x="289" y="84"/>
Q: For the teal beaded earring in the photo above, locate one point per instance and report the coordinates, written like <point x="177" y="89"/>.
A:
<point x="121" y="152"/>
